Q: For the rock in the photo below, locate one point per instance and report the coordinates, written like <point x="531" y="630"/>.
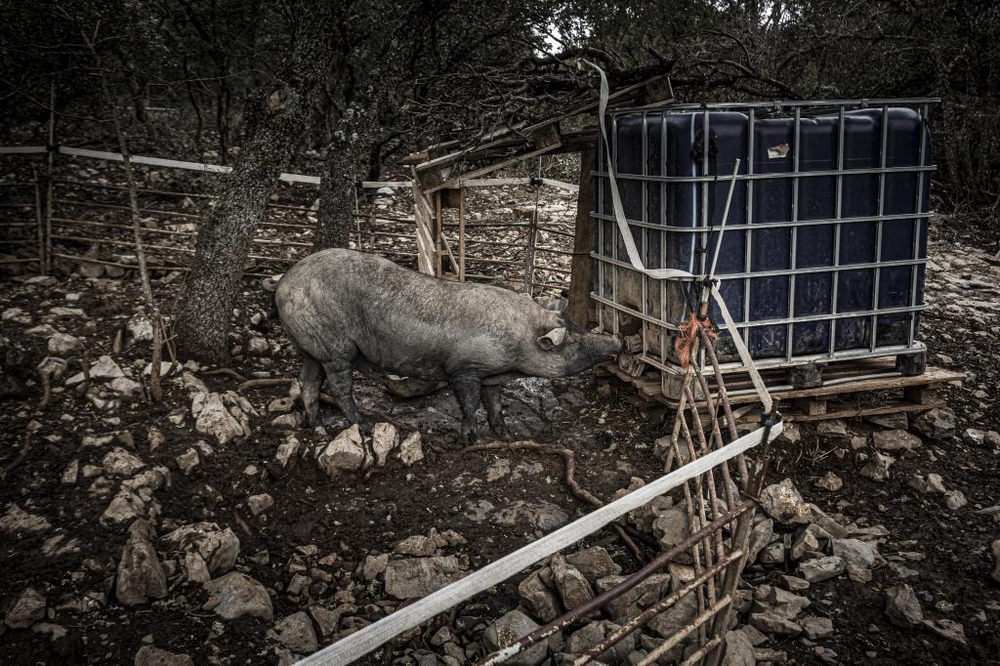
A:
<point x="126" y="505"/>
<point x="149" y="655"/>
<point x="138" y="329"/>
<point x="18" y="521"/>
<point x="895" y="440"/>
<point x="280" y="405"/>
<point x="955" y="499"/>
<point x="140" y="575"/>
<point x="858" y="573"/>
<point x="795" y="584"/>
<point x="61" y="344"/>
<point x="671" y="528"/>
<point x="572" y="586"/>
<point x="344" y="453"/>
<point x="642" y="595"/>
<point x="902" y="606"/>
<point x="385" y="438"/>
<point x="593" y="563"/>
<point x="119" y="462"/>
<point x="543" y="516"/>
<point x="290" y="421"/>
<point x="257" y="346"/>
<point x="947" y="629"/>
<point x="816" y="627"/>
<point x="538" y="598"/>
<point x="237" y="595"/>
<point x="670" y="621"/>
<point x="591" y="634"/>
<point x="259" y="504"/>
<point x="790" y="433"/>
<point x="374" y="565"/>
<point x="760" y="536"/>
<point x="995" y="548"/>
<point x="938" y="423"/>
<point x="188" y="460"/>
<point x="418" y="546"/>
<point x="155" y="439"/>
<point x="410" y="387"/>
<point x="780" y="602"/>
<point x="105" y="368"/>
<point x="289" y="448"/>
<point x="773" y="553"/>
<point x="506" y="630"/>
<point x="193" y="385"/>
<point x="935" y="484"/>
<point x="855" y="551"/>
<point x="222" y="415"/>
<point x="835" y="429"/>
<point x="52" y="367"/>
<point x="127" y="388"/>
<point x="296" y="633"/>
<point x="411" y="450"/>
<point x="992" y="439"/>
<point x="71" y="473"/>
<point x="773" y="623"/>
<point x="497" y="470"/>
<point x="826" y="655"/>
<point x="805" y="542"/>
<point x="878" y="467"/>
<point x="739" y="650"/>
<point x="53" y="631"/>
<point x="783" y="502"/>
<point x="974" y="436"/>
<point x="822" y="568"/>
<point x="417" y="577"/>
<point x="328" y="620"/>
<point x="28" y="609"/>
<point x="830" y="481"/>
<point x="218" y="547"/>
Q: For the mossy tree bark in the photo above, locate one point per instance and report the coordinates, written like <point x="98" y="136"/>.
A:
<point x="275" y="117"/>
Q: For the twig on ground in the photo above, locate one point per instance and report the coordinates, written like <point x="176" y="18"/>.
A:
<point x="569" y="461"/>
<point x="229" y="372"/>
<point x="264" y="383"/>
<point x="46" y="390"/>
<point x="21" y="457"/>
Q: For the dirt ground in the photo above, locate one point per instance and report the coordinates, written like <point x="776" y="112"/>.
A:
<point x="329" y="527"/>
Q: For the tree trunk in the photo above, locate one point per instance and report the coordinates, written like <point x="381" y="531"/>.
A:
<point x="274" y="119"/>
<point x="347" y="157"/>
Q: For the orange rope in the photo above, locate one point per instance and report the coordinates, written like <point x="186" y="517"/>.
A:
<point x="688" y="335"/>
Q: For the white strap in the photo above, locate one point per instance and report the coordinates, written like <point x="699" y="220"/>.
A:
<point x="741" y="348"/>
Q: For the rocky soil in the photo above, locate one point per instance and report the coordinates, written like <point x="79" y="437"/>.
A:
<point x="214" y="528"/>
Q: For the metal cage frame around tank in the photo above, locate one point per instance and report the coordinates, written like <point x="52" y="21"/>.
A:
<point x="704" y="231"/>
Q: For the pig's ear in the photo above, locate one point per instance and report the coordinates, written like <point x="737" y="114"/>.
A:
<point x="552" y="339"/>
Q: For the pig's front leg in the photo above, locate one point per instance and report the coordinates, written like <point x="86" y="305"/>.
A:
<point x="494" y="410"/>
<point x="340" y="382"/>
<point x="467" y="390"/>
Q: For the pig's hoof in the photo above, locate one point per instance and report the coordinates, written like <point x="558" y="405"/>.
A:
<point x="365" y="427"/>
<point x="471" y="437"/>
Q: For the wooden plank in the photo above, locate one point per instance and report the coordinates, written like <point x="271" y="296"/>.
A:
<point x="452" y="182"/>
<point x="895" y="407"/>
<point x="811" y="406"/>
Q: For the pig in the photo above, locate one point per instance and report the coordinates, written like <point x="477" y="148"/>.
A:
<point x="344" y="309"/>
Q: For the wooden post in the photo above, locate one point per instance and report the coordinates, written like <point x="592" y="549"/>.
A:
<point x="47" y="264"/>
<point x="582" y="277"/>
<point x="438" y="231"/>
<point x="461" y="234"/>
<point x="39" y="222"/>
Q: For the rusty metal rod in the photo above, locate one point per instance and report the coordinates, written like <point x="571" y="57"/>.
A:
<point x="649" y="613"/>
<point x="602" y="599"/>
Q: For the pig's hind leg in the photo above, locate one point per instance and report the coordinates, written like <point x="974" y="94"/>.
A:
<point x="310" y="379"/>
<point x="340" y="381"/>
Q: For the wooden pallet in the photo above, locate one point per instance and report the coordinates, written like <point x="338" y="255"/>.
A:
<point x="849" y="389"/>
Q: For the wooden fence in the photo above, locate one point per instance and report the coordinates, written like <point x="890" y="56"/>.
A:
<point x="517" y="231"/>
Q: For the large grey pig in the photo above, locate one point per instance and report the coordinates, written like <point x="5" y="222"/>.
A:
<point x="345" y="309"/>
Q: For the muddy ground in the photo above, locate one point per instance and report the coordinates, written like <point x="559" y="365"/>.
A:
<point x="327" y="529"/>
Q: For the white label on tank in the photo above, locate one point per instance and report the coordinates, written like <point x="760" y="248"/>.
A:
<point x="774" y="152"/>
